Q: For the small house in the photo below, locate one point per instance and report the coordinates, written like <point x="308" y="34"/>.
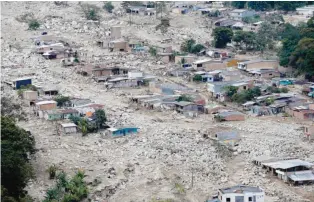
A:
<point x="67" y="128"/>
<point x="184" y="106"/>
<point x="258" y="64"/>
<point x="230" y="116"/>
<point x="264" y="73"/>
<point x="44" y="106"/>
<point x="213" y="109"/>
<point x="122" y="131"/>
<point x="228" y="138"/>
<point x="239" y="14"/>
<point x="17" y="83"/>
<point x="118" y="45"/>
<point x="239" y="193"/>
<point x="51" y="47"/>
<point x="30" y="95"/>
<point x="309" y="132"/>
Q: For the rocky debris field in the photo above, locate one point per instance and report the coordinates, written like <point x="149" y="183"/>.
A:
<point x="169" y="158"/>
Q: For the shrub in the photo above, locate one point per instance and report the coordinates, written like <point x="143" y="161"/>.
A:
<point x="152" y="51"/>
<point x="284" y="90"/>
<point x="33" y="25"/>
<point x="230" y="90"/>
<point x="185" y="98"/>
<point x="218" y="118"/>
<point x="197" y="78"/>
<point x="52" y="171"/>
<point x="90" y="11"/>
<point x="61" y="100"/>
<point x="108" y="7"/>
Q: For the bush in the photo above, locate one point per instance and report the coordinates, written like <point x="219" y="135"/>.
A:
<point x="197" y="78"/>
<point x="197" y="48"/>
<point x="52" y="171"/>
<point x="284" y="90"/>
<point x="230" y="90"/>
<point x="61" y="100"/>
<point x="185" y="98"/>
<point x="152" y="51"/>
<point x="33" y="25"/>
<point x="90" y="11"/>
<point x="190" y="46"/>
<point x="108" y="7"/>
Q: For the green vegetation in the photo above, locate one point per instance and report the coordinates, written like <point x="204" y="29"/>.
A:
<point x="161" y="200"/>
<point x="190" y="46"/>
<point x="273" y="89"/>
<point x="219" y="118"/>
<point x="33" y="25"/>
<point x="179" y="188"/>
<point x="197" y="78"/>
<point x="68" y="190"/>
<point x="25" y="88"/>
<point x="245" y="38"/>
<point x="253" y="19"/>
<point x="152" y="51"/>
<point x="108" y="6"/>
<point x="268" y="5"/>
<point x="61" y="100"/>
<point x="222" y="36"/>
<point x="90" y="11"/>
<point x="17" y="146"/>
<point x="185" y="98"/>
<point x="52" y="170"/>
<point x="84" y="125"/>
<point x="269" y="101"/>
<point x="100" y="118"/>
<point x="243" y="96"/>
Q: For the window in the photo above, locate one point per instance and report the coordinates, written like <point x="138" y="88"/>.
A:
<point x="228" y="199"/>
<point x="306" y="130"/>
<point x="50" y="48"/>
<point x="270" y="74"/>
<point x="244" y="87"/>
<point x="250" y="198"/>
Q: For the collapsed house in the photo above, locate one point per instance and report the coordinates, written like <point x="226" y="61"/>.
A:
<point x="228" y="138"/>
<point x="121" y="131"/>
<point x="290" y="170"/>
<point x="67" y="128"/>
<point x="230" y="116"/>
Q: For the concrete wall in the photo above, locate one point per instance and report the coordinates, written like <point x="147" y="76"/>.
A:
<point x="263" y="65"/>
<point x="214" y="66"/>
<point x="235" y="118"/>
<point x="98" y="73"/>
<point x="259" y="197"/>
<point x="188" y="59"/>
<point x="30" y="95"/>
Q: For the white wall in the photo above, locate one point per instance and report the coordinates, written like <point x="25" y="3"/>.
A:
<point x="259" y="197"/>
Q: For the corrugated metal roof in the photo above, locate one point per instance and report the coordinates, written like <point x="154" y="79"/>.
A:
<point x="285" y="164"/>
<point x="302" y="176"/>
<point x="242" y="188"/>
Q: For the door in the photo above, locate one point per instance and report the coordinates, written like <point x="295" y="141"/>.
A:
<point x="239" y="199"/>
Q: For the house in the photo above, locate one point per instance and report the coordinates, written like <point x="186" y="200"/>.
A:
<point x="228" y="138"/>
<point x="57" y="114"/>
<point x="239" y="193"/>
<point x="121" y="131"/>
<point x="307" y="11"/>
<point x="67" y="128"/>
<point x="136" y="46"/>
<point x="99" y="71"/>
<point x="48" y="89"/>
<point x="180" y="9"/>
<point x="17" y="83"/>
<point x="210" y="12"/>
<point x="201" y="64"/>
<point x="88" y="109"/>
<point x="118" y="45"/>
<point x="230" y="116"/>
<point x="254" y="27"/>
<point x="30" y="95"/>
<point x="44" y="106"/>
<point x="301" y="112"/>
<point x="213" y="76"/>
<point x="123" y="82"/>
<point x="55" y="54"/>
<point x="135" y="74"/>
<point x="45" y="48"/>
<point x="168" y="88"/>
<point x="239" y="14"/>
<point x="183" y="106"/>
<point x="217" y="88"/>
<point x="290" y="170"/>
<point x="264" y="73"/>
<point x="213" y="109"/>
<point x="68" y="61"/>
<point x="166" y="57"/>
<point x="258" y="64"/>
<point x="309" y="132"/>
<point x="136" y="10"/>
<point x="208" y="65"/>
<point x="231" y="75"/>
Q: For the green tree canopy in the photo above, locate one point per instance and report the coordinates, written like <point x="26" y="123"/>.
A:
<point x="244" y="37"/>
<point x="238" y="4"/>
<point x="100" y="117"/>
<point x="17" y="146"/>
<point x="222" y="36"/>
<point x="61" y="100"/>
<point x="187" y="45"/>
<point x="259" y="5"/>
<point x="108" y="6"/>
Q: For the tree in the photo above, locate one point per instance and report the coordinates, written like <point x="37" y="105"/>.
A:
<point x="265" y="36"/>
<point x="288" y="5"/>
<point x="90" y="11"/>
<point x="259" y="5"/>
<point x="187" y="45"/>
<point x="152" y="51"/>
<point x="108" y="6"/>
<point x="197" y="78"/>
<point x="222" y="36"/>
<point x="100" y="117"/>
<point x="230" y="90"/>
<point x="238" y="4"/>
<point x="246" y="38"/>
<point x="197" y="48"/>
<point x="52" y="171"/>
<point x="17" y="146"/>
<point x="310" y="22"/>
<point x="83" y="126"/>
<point x="33" y="25"/>
<point x="61" y="100"/>
<point x="303" y="56"/>
<point x="185" y="98"/>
